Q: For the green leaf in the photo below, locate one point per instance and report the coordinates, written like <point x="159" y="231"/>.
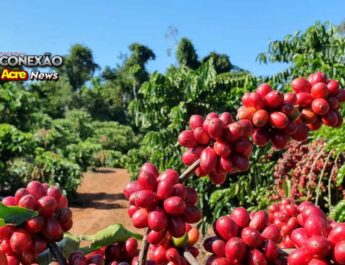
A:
<point x="341" y="175"/>
<point x="67" y="246"/>
<point x="286" y="187"/>
<point x="338" y="211"/>
<point x="15" y="215"/>
<point x="108" y="236"/>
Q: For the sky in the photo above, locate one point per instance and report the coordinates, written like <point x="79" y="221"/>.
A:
<point x="240" y="29"/>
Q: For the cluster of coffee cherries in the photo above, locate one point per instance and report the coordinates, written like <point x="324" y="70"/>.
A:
<point x="274" y="116"/>
<point x="222" y="145"/>
<point x="319" y="100"/>
<point x="161" y="203"/>
<point x="318" y="240"/>
<point x="242" y="238"/>
<point x="266" y="115"/>
<point x="22" y="244"/>
<point x="124" y="253"/>
<point x="283" y="219"/>
<point x="171" y="250"/>
<point x="261" y="238"/>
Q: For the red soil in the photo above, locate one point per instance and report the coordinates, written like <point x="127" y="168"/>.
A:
<point x="100" y="202"/>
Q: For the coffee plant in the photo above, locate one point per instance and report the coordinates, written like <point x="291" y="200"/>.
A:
<point x="313" y="167"/>
<point x="218" y="147"/>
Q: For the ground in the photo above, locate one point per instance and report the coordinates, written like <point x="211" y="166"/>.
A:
<point x="100" y="203"/>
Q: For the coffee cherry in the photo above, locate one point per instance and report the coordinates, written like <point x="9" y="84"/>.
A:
<point x="21" y="241"/>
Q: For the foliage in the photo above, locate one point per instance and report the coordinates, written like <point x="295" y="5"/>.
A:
<point x="59" y="133"/>
<point x="82" y="122"/>
<point x="334" y="143"/>
<point x="13" y="142"/>
<point x="129" y="76"/>
<point x="16" y="105"/>
<point x="71" y="243"/>
<point x="65" y="147"/>
<point x="41" y="120"/>
<point x="221" y="62"/>
<point x="135" y="64"/>
<point x="17" y="173"/>
<point x="108" y="236"/>
<point x="82" y="153"/>
<point x="106" y="144"/>
<point x="338" y="212"/>
<point x="341" y="27"/>
<point x="166" y="101"/>
<point x="107" y="158"/>
<point x="53" y="168"/>
<point x="186" y="54"/>
<point x="319" y="48"/>
<point x="113" y="136"/>
<point x="335" y="137"/>
<point x="15" y="215"/>
<point x="105" y="101"/>
<point x="53" y="98"/>
<point x="79" y="65"/>
<point x="63" y="133"/>
<point x="134" y="157"/>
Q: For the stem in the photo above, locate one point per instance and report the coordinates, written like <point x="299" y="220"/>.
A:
<point x="320" y="151"/>
<point x="330" y="182"/>
<point x="54" y="249"/>
<point x="144" y="249"/>
<point x="190" y="169"/>
<point x="144" y="244"/>
<point x="320" y="178"/>
<point x="190" y="258"/>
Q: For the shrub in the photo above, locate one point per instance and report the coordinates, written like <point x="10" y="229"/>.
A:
<point x="107" y="158"/>
<point x="41" y="120"/>
<point x="16" y="105"/>
<point x="113" y="136"/>
<point x="133" y="158"/>
<point x="82" y="153"/>
<point x="14" y="142"/>
<point x="17" y="173"/>
<point x="53" y="168"/>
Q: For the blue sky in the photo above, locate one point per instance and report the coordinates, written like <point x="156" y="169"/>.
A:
<point x="240" y="29"/>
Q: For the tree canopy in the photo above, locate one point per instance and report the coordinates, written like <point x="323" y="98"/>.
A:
<point x="79" y="65"/>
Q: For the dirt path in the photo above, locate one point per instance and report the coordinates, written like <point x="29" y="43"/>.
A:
<point x="100" y="201"/>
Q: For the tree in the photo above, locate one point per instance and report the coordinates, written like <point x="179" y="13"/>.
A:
<point x="186" y="54"/>
<point x="110" y="95"/>
<point x="135" y="65"/>
<point x="79" y="66"/>
<point x="105" y="100"/>
<point x="221" y="62"/>
<point x="54" y="98"/>
<point x="132" y="72"/>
